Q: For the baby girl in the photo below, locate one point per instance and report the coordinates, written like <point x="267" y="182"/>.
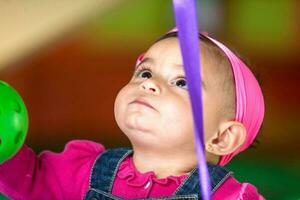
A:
<point x="153" y="110"/>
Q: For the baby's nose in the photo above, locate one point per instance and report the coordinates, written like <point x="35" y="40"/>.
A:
<point x="150" y="87"/>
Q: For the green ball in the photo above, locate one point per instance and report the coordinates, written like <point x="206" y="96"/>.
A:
<point x="13" y="122"/>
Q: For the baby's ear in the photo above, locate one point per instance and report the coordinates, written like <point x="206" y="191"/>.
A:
<point x="231" y="136"/>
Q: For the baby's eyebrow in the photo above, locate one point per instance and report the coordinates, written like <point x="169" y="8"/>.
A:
<point x="143" y="61"/>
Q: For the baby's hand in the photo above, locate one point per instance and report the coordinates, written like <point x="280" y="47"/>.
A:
<point x="13" y="122"/>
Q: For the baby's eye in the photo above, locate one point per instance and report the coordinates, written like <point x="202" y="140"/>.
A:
<point x="144" y="74"/>
<point x="181" y="82"/>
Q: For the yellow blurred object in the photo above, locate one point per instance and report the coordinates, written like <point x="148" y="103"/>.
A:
<point x="27" y="25"/>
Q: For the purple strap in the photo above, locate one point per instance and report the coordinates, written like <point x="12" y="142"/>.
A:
<point x="186" y="21"/>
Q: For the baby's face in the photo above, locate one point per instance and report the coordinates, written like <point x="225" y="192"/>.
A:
<point x="154" y="110"/>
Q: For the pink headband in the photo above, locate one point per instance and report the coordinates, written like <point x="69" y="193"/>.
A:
<point x="250" y="107"/>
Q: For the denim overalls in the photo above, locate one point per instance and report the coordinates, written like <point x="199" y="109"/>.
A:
<point x="106" y="165"/>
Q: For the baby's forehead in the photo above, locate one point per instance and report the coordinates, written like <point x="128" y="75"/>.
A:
<point x="169" y="49"/>
<point x="165" y="48"/>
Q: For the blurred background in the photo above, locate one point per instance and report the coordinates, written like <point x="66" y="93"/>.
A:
<point x="68" y="59"/>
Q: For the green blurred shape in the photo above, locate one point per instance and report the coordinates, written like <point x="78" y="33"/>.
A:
<point x="2" y="197"/>
<point x="263" y="24"/>
<point x="133" y="21"/>
<point x="276" y="180"/>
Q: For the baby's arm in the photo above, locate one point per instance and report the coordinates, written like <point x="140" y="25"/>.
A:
<point x="50" y="175"/>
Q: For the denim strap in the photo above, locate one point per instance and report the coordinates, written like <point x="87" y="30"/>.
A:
<point x="106" y="167"/>
<point x="191" y="185"/>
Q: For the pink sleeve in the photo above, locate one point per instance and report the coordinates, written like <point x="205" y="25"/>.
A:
<point x="231" y="189"/>
<point x="50" y="175"/>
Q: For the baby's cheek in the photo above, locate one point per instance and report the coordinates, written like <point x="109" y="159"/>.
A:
<point x="210" y="123"/>
<point x="179" y="116"/>
<point x="119" y="105"/>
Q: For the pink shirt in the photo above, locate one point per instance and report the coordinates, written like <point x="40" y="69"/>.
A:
<point x="66" y="176"/>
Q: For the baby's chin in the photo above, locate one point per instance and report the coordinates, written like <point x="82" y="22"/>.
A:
<point x="137" y="122"/>
<point x="138" y="130"/>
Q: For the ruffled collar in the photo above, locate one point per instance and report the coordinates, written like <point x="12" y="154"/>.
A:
<point x="133" y="177"/>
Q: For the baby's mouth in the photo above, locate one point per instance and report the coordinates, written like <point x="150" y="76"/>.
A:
<point x="142" y="101"/>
